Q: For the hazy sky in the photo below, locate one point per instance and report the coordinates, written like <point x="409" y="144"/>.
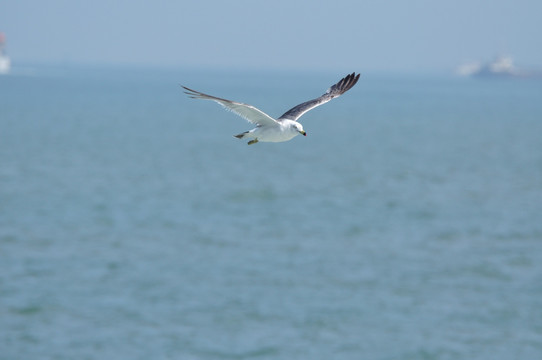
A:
<point x="393" y="35"/>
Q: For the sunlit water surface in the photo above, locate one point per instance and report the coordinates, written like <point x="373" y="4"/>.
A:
<point x="406" y="225"/>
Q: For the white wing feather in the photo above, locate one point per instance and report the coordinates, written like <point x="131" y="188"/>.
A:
<point x="247" y="112"/>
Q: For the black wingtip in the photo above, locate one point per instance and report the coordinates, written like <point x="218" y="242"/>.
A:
<point x="355" y="78"/>
<point x="190" y="92"/>
<point x="347" y="82"/>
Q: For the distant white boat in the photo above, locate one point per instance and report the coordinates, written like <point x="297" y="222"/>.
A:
<point x="502" y="66"/>
<point x="5" y="62"/>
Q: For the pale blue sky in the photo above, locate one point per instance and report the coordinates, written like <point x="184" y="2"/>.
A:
<point x="389" y="35"/>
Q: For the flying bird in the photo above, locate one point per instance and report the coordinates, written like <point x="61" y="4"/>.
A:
<point x="285" y="127"/>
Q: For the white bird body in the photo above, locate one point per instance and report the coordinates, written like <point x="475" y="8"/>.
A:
<point x="283" y="131"/>
<point x="285" y="127"/>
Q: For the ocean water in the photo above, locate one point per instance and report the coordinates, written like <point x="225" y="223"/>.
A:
<point x="406" y="225"/>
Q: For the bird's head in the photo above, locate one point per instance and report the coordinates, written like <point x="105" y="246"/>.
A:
<point x="299" y="128"/>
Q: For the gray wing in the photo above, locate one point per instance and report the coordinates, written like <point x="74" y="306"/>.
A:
<point x="248" y="112"/>
<point x="336" y="90"/>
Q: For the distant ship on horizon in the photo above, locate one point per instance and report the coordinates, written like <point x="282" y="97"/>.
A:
<point x="502" y="66"/>
<point x="5" y="62"/>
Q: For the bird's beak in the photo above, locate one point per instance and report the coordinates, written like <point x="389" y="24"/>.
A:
<point x="303" y="133"/>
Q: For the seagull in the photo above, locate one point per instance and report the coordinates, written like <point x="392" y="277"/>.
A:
<point x="285" y="127"/>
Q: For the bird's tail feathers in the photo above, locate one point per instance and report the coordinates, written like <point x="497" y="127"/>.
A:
<point x="242" y="135"/>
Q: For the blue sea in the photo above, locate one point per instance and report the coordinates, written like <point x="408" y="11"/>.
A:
<point x="406" y="225"/>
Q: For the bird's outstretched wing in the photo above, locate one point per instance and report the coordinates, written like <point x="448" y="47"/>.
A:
<point x="248" y="112"/>
<point x="336" y="90"/>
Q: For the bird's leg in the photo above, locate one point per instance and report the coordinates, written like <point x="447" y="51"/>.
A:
<point x="251" y="142"/>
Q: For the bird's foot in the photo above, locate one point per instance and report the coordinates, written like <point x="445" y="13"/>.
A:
<point x="251" y="142"/>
